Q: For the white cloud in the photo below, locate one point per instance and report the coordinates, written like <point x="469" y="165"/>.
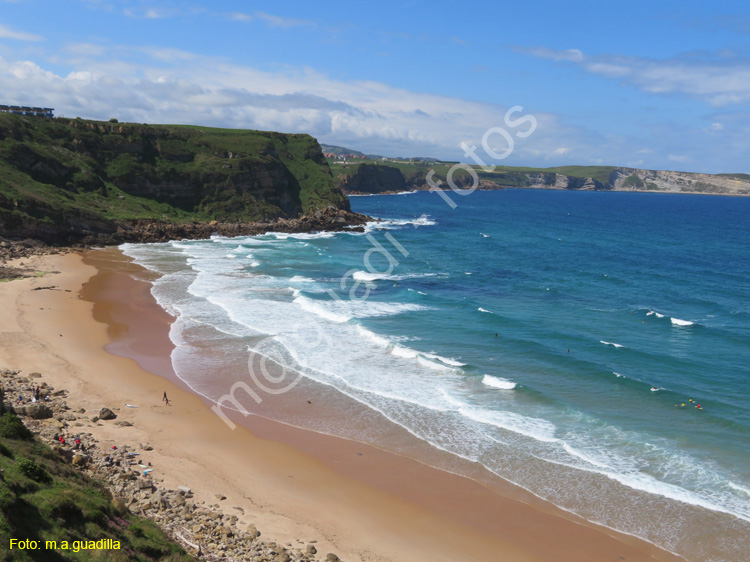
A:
<point x="572" y="55"/>
<point x="154" y="85"/>
<point x="278" y="21"/>
<point x="239" y="16"/>
<point x="678" y="158"/>
<point x="720" y="80"/>
<point x="8" y="33"/>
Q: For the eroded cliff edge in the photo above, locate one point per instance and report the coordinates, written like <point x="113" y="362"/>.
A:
<point x="384" y="178"/>
<point x="66" y="181"/>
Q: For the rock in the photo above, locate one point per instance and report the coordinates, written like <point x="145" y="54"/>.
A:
<point x="283" y="557"/>
<point x="127" y="476"/>
<point x="34" y="411"/>
<point x="220" y="497"/>
<point x="253" y="531"/>
<point x="36" y="375"/>
<point x="123" y="423"/>
<point x="106" y="414"/>
<point x="145" y="484"/>
<point x="146" y="447"/>
<point x="120" y="506"/>
<point x="95" y="419"/>
<point x="80" y="460"/>
<point x="311" y="550"/>
<point x="331" y="557"/>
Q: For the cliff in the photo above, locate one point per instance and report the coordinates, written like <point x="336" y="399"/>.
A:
<point x="401" y="176"/>
<point x="69" y="180"/>
<point x="372" y="178"/>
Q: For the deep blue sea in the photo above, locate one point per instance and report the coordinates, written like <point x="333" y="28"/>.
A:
<point x="561" y="339"/>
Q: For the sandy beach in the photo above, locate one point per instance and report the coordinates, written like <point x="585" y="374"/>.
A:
<point x="95" y="330"/>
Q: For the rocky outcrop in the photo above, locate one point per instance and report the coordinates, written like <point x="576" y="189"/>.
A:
<point x="633" y="179"/>
<point x="374" y="178"/>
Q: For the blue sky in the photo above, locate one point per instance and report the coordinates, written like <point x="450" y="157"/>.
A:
<point x="658" y="84"/>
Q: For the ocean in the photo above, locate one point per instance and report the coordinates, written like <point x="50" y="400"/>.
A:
<point x="590" y="347"/>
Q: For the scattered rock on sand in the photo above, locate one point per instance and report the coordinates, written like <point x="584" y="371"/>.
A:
<point x="106" y="414"/>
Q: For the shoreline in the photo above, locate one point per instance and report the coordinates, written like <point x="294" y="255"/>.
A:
<point x="352" y="498"/>
<point x="502" y="188"/>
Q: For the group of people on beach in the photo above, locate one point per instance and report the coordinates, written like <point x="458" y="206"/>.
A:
<point x="76" y="442"/>
<point x="36" y="396"/>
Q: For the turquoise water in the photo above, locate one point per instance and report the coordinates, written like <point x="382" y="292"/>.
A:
<point x="550" y="336"/>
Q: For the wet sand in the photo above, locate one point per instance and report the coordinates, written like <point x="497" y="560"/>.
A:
<point x="111" y="347"/>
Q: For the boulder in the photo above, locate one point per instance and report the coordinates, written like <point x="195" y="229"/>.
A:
<point x="34" y="411"/>
<point x="80" y="460"/>
<point x="106" y="414"/>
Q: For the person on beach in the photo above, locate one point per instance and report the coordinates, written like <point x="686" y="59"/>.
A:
<point x="165" y="399"/>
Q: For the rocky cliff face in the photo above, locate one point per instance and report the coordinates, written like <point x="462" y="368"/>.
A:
<point x="632" y="179"/>
<point x="372" y="178"/>
<point x="382" y="178"/>
<point x="68" y="178"/>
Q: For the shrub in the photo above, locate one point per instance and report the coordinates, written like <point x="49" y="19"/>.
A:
<point x="11" y="427"/>
<point x="32" y="470"/>
<point x="4" y="451"/>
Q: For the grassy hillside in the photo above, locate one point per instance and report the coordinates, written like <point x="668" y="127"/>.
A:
<point x="43" y="498"/>
<point x="73" y="174"/>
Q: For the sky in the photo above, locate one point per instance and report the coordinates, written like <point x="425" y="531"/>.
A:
<point x="649" y="84"/>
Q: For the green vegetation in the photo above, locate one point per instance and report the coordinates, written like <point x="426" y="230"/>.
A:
<point x="744" y="177"/>
<point x="12" y="428"/>
<point x="73" y="175"/>
<point x="43" y="498"/>
<point x="634" y="182"/>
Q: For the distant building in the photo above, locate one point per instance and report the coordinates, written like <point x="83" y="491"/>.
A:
<point x="33" y="111"/>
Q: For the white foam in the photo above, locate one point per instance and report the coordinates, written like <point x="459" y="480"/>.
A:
<point x="406" y="352"/>
<point x="321" y="310"/>
<point x="678" y="322"/>
<point x="484" y="235"/>
<point x="536" y="428"/>
<point x="438" y="366"/>
<point x="389" y="224"/>
<point x="498" y="382"/>
<point x="447" y="361"/>
<point x="739" y="488"/>
<point x="480" y="309"/>
<point x="654" y="313"/>
<point x="610" y="343"/>
<point x="301" y="235"/>
<point x="374" y="276"/>
<point x="375" y="338"/>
